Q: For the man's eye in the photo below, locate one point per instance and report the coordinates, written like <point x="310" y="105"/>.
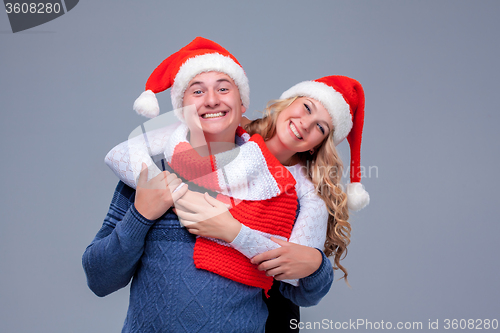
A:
<point x="197" y="92"/>
<point x="224" y="89"/>
<point x="307" y="108"/>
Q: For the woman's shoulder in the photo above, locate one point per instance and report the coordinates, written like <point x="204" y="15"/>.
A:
<point x="304" y="186"/>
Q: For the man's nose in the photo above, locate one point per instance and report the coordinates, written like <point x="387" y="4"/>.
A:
<point x="212" y="98"/>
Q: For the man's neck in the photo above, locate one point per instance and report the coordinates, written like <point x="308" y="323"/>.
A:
<point x="210" y="145"/>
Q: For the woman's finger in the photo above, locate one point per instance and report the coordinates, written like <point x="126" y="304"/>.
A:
<point x="280" y="277"/>
<point x="193" y="231"/>
<point x="188" y="224"/>
<point x="269" y="264"/>
<point x="186" y="216"/>
<point x="214" y="202"/>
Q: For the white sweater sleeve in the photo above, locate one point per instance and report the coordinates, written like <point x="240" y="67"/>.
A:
<point x="309" y="228"/>
<point x="126" y="158"/>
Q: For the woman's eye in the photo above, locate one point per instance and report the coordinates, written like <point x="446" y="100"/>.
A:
<point x="307" y="108"/>
<point x="321" y="129"/>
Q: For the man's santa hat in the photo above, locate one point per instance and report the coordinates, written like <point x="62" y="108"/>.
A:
<point x="199" y="56"/>
<point x="344" y="100"/>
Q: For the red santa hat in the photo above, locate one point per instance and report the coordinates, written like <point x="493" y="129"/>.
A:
<point x="344" y="100"/>
<point x="199" y="56"/>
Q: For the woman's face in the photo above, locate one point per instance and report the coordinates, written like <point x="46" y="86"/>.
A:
<point x="303" y="125"/>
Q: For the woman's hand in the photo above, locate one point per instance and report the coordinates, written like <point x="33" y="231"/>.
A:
<point x="155" y="197"/>
<point x="290" y="261"/>
<point x="205" y="216"/>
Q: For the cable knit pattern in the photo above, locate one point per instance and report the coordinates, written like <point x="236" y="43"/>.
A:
<point x="168" y="293"/>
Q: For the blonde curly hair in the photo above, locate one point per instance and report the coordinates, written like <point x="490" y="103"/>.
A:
<point x="324" y="170"/>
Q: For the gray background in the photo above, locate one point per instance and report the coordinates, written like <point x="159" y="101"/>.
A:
<point x="425" y="248"/>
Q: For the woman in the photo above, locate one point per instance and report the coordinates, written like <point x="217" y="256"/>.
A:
<point x="299" y="132"/>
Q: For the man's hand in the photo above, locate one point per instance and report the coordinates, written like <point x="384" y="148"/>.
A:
<point x="155" y="197"/>
<point x="205" y="216"/>
<point x="290" y="261"/>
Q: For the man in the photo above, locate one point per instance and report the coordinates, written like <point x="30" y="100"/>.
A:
<point x="141" y="237"/>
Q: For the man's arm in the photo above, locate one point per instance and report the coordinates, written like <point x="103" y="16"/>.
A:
<point x="111" y="259"/>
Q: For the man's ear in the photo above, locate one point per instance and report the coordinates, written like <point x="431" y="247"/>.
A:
<point x="243" y="108"/>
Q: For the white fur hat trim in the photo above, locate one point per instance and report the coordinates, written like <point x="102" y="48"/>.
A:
<point x="213" y="62"/>
<point x="357" y="197"/>
<point x="331" y="99"/>
<point x="147" y="104"/>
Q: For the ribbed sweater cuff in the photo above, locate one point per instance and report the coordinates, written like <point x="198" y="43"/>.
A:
<point x="135" y="225"/>
<point x="314" y="280"/>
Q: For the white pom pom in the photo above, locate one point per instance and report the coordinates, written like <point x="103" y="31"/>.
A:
<point x="357" y="197"/>
<point x="147" y="104"/>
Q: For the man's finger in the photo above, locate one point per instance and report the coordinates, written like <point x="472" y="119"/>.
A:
<point x="171" y="177"/>
<point x="143" y="175"/>
<point x="174" y="184"/>
<point x="268" y="255"/>
<point x="179" y="191"/>
<point x="192" y="206"/>
<point x="160" y="176"/>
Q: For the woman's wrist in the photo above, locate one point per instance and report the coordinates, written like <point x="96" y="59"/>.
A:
<point x="233" y="229"/>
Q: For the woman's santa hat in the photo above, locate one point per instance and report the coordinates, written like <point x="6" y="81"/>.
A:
<point x="344" y="100"/>
<point x="199" y="56"/>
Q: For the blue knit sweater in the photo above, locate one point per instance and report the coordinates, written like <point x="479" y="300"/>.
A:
<point x="168" y="293"/>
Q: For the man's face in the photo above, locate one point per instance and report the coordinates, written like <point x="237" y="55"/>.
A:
<point x="218" y="105"/>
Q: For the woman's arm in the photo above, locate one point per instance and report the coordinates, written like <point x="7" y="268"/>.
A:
<point x="126" y="158"/>
<point x="214" y="220"/>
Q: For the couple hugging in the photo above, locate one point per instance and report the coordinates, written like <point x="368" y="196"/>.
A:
<point x="244" y="243"/>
